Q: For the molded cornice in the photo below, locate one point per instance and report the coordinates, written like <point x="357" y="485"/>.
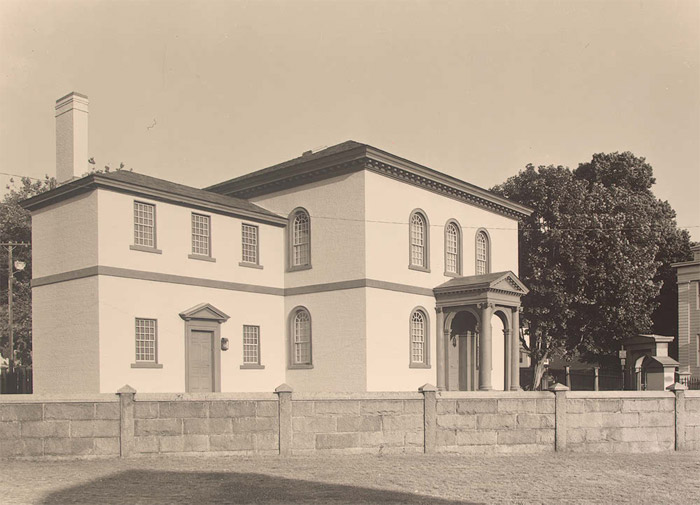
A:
<point x="358" y="157"/>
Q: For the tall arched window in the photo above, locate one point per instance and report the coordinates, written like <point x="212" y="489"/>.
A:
<point x="453" y="248"/>
<point x="483" y="253"/>
<point x="419" y="339"/>
<point x="419" y="241"/>
<point x="300" y="338"/>
<point x="299" y="239"/>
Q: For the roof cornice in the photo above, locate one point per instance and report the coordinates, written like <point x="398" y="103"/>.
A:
<point x="364" y="157"/>
<point x="97" y="181"/>
<point x="418" y="175"/>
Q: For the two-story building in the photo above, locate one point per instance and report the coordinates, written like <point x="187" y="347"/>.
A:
<point x="688" y="279"/>
<point x="346" y="269"/>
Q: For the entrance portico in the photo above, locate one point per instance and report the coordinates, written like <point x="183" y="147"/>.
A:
<point x="467" y="308"/>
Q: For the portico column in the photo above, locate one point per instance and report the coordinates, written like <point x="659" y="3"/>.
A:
<point x="507" y="358"/>
<point x="485" y="358"/>
<point x="440" y="350"/>
<point x="515" y="351"/>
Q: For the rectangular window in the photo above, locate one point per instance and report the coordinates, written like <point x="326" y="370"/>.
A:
<point x="250" y="244"/>
<point x="146" y="340"/>
<point x="144" y="224"/>
<point x="201" y="236"/>
<point x="251" y="345"/>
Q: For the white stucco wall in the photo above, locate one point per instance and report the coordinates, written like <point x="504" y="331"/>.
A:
<point x="122" y="300"/>
<point x="388" y="341"/>
<point x="338" y="341"/>
<point x="389" y="204"/>
<point x="336" y="207"/>
<point x="173" y="238"/>
<point x="64" y="236"/>
<point x="65" y="337"/>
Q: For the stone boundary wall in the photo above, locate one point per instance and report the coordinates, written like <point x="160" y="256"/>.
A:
<point x="206" y="423"/>
<point x="371" y="422"/>
<point x="621" y="421"/>
<point x="133" y="424"/>
<point x="495" y="422"/>
<point x="692" y="420"/>
<point x="36" y="426"/>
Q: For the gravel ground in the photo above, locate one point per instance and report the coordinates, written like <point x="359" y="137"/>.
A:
<point x="668" y="478"/>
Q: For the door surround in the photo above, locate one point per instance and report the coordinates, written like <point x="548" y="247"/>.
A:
<point x="204" y="317"/>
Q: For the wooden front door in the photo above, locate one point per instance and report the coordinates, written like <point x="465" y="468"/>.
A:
<point x="200" y="366"/>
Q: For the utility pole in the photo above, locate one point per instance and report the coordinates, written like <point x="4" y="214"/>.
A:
<point x="10" y="276"/>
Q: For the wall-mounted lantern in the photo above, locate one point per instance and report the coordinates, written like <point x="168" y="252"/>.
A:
<point x="224" y="344"/>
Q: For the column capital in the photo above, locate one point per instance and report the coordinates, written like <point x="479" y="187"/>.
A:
<point x="439" y="310"/>
<point x="486" y="305"/>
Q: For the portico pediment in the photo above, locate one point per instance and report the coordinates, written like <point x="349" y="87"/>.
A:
<point x="498" y="287"/>
<point x="204" y="311"/>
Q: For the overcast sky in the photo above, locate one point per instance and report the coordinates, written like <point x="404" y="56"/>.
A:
<point x="198" y="92"/>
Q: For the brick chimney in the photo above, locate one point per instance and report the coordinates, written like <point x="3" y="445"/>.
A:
<point x="71" y="136"/>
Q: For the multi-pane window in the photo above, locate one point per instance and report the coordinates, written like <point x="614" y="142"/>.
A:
<point x="482" y="253"/>
<point x="301" y="239"/>
<point x="144" y="224"/>
<point x="301" y="337"/>
<point x="419" y="330"/>
<point x="452" y="249"/>
<point x="146" y="340"/>
<point x="201" y="231"/>
<point x="251" y="345"/>
<point x="419" y="240"/>
<point x="250" y="243"/>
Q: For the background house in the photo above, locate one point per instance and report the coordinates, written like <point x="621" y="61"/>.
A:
<point x="689" y="317"/>
<point x="347" y="269"/>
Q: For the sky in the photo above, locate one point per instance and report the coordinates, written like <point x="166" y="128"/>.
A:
<point x="198" y="92"/>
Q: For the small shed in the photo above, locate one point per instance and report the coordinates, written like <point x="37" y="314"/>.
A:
<point x="648" y="365"/>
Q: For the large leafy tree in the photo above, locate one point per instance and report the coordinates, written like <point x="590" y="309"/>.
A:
<point x="626" y="171"/>
<point x="595" y="254"/>
<point x="15" y="226"/>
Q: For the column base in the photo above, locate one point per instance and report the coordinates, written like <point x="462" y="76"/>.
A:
<point x="484" y="388"/>
<point x="515" y="388"/>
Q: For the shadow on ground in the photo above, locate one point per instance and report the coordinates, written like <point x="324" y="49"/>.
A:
<point x="155" y="487"/>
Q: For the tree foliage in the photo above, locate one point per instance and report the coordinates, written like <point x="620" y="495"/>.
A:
<point x="15" y="226"/>
<point x="596" y="255"/>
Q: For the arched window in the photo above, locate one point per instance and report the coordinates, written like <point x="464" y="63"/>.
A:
<point x="299" y="239"/>
<point x="453" y="248"/>
<point x="419" y="339"/>
<point x="483" y="253"/>
<point x="300" y="333"/>
<point x="419" y="241"/>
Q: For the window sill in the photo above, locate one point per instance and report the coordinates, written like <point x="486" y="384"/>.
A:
<point x="299" y="267"/>
<point x="300" y="367"/>
<point x="452" y="274"/>
<point x="418" y="365"/>
<point x="146" y="365"/>
<point x="201" y="257"/>
<point x="419" y="269"/>
<point x="144" y="248"/>
<point x="250" y="265"/>
<point x="251" y="366"/>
